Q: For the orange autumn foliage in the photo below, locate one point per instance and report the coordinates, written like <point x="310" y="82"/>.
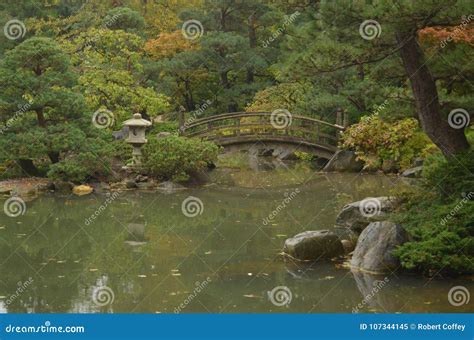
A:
<point x="463" y="33"/>
<point x="168" y="44"/>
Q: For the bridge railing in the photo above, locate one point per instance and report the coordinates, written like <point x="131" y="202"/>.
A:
<point x="256" y="125"/>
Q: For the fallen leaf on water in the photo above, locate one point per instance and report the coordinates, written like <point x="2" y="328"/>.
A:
<point x="93" y="269"/>
<point x="175" y="270"/>
<point x="61" y="261"/>
<point x="61" y="276"/>
<point x="141" y="275"/>
<point x="281" y="235"/>
<point x="176" y="274"/>
<point x="328" y="278"/>
<point x="251" y="296"/>
<point x="428" y="302"/>
<point x="208" y="252"/>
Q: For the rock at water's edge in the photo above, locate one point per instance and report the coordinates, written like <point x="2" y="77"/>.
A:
<point x="81" y="190"/>
<point x="373" y="252"/>
<point x="344" y="160"/>
<point x="314" y="245"/>
<point x="413" y="172"/>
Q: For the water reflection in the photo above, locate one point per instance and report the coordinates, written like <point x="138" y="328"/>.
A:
<point x="150" y="255"/>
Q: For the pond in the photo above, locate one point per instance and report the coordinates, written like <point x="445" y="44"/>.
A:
<point x="219" y="252"/>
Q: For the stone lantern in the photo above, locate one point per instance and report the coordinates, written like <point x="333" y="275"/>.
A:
<point x="136" y="136"/>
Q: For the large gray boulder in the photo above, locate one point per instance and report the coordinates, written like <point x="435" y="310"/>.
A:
<point x="314" y="245"/>
<point x="344" y="160"/>
<point x="373" y="252"/>
<point x="357" y="215"/>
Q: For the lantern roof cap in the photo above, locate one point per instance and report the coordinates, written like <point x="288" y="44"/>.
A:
<point x="137" y="120"/>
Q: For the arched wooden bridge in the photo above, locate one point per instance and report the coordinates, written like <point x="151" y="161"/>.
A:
<point x="273" y="130"/>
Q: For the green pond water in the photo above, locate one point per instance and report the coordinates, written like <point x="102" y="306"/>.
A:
<point x="142" y="254"/>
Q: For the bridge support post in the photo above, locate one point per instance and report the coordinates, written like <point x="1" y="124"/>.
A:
<point x="339" y="117"/>
<point x="237" y="124"/>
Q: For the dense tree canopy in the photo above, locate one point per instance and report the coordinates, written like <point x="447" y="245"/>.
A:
<point x="66" y="59"/>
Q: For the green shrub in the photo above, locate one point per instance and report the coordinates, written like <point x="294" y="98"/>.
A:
<point x="375" y="141"/>
<point x="177" y="157"/>
<point x="441" y="236"/>
<point x="122" y="150"/>
<point x="439" y="217"/>
<point x="84" y="163"/>
<point x="171" y="127"/>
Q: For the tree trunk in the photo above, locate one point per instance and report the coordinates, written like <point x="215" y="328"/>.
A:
<point x="225" y="80"/>
<point x="54" y="157"/>
<point x="28" y="167"/>
<point x="252" y="43"/>
<point x="190" y="106"/>
<point x="40" y="118"/>
<point x="449" y="140"/>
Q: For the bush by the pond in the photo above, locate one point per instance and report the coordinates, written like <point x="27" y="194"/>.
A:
<point x="78" y="167"/>
<point x="452" y="177"/>
<point x="177" y="157"/>
<point x="440" y="221"/>
<point x="376" y="141"/>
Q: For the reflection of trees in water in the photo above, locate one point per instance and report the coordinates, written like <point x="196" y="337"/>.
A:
<point x="70" y="256"/>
